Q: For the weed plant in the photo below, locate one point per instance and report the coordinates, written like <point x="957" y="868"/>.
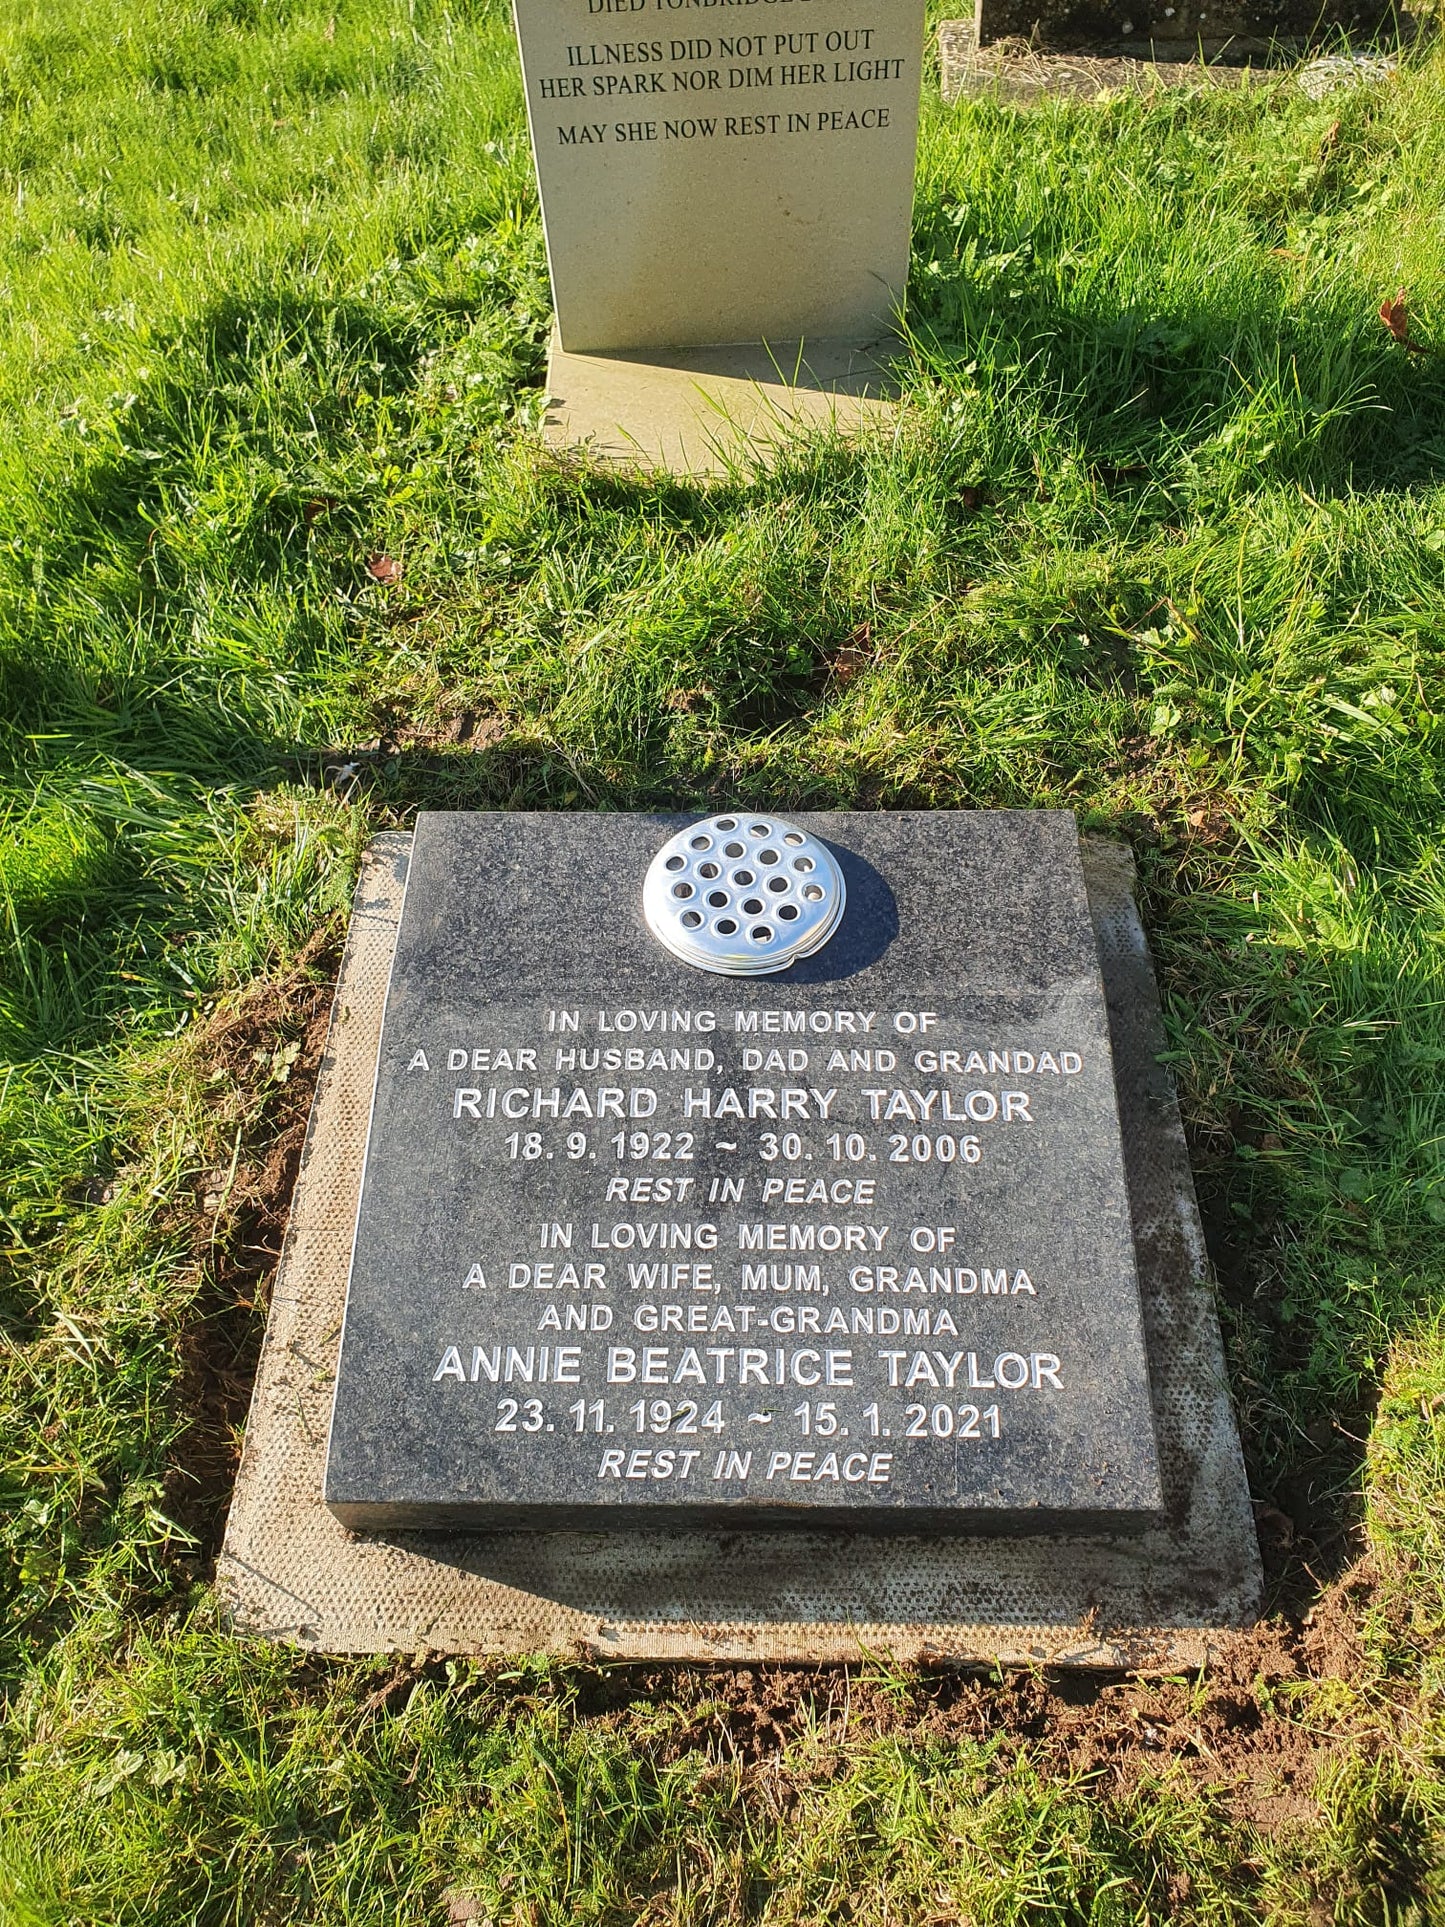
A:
<point x="1159" y="538"/>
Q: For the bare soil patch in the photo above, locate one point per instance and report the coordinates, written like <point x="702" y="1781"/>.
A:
<point x="237" y="1223"/>
<point x="1119" y="1730"/>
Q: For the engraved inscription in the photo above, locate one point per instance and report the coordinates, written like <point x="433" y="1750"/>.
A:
<point x="714" y="1320"/>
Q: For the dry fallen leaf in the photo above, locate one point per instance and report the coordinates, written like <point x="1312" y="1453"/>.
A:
<point x="384" y="568"/>
<point x="1396" y="317"/>
<point x="856" y="653"/>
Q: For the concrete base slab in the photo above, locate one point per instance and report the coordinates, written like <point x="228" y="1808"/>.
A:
<point x="1157" y="1601"/>
<point x="712" y="411"/>
<point x="1014" y="70"/>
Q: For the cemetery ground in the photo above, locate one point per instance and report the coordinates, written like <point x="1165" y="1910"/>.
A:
<point x="1159" y="538"/>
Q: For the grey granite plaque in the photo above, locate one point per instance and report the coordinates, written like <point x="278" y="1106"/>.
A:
<point x="850" y="1242"/>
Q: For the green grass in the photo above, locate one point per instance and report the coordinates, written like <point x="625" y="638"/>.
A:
<point x="1161" y="539"/>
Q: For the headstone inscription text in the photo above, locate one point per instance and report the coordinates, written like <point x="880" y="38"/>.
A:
<point x="718" y="171"/>
<point x="851" y="1242"/>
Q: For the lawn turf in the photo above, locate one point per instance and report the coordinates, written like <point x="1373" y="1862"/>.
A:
<point x="1160" y="538"/>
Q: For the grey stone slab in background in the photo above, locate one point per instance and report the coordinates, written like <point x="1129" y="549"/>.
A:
<point x="1163" y="1599"/>
<point x="847" y="1242"/>
<point x="1178" y="31"/>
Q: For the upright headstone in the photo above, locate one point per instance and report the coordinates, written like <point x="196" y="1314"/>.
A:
<point x="730" y="174"/>
<point x="640" y="1242"/>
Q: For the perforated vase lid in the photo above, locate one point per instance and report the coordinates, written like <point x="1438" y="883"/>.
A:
<point x="744" y="896"/>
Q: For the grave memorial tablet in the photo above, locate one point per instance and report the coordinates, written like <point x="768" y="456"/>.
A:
<point x="651" y="1236"/>
<point x="729" y="171"/>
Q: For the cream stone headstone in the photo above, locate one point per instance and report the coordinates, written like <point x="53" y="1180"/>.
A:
<point x="726" y="190"/>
